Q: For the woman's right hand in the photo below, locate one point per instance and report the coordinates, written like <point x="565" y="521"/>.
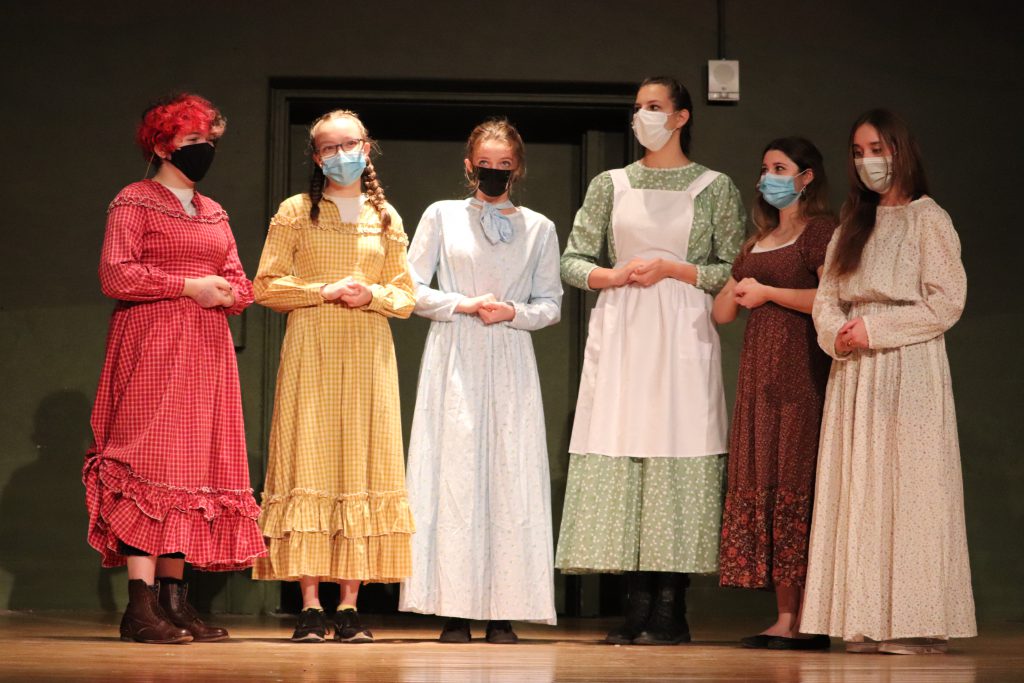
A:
<point x="471" y="305"/>
<point x="209" y="291"/>
<point x="852" y="335"/>
<point x="606" y="278"/>
<point x="335" y="290"/>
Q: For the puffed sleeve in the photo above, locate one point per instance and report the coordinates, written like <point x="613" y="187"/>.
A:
<point x="589" y="231"/>
<point x="424" y="257"/>
<point x="943" y="289"/>
<point x="122" y="274"/>
<point x="728" y="220"/>
<point x="814" y="244"/>
<point x="275" y="285"/>
<point x="393" y="296"/>
<point x="545" y="305"/>
<point x="737" y="266"/>
<point x="232" y="272"/>
<point x="829" y="313"/>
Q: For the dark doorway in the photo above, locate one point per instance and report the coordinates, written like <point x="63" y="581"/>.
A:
<point x="572" y="132"/>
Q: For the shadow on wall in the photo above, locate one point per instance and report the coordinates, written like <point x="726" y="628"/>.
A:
<point x="43" y="518"/>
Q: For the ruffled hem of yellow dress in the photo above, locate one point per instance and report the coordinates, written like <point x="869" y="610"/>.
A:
<point x="348" y="515"/>
<point x="371" y="559"/>
<point x="362" y="536"/>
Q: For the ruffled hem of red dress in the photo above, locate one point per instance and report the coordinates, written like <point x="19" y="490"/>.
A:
<point x="216" y="529"/>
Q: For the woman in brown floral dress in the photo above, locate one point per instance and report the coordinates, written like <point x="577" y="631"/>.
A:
<point x="781" y="387"/>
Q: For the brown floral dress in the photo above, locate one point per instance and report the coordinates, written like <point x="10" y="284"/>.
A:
<point x="773" y="443"/>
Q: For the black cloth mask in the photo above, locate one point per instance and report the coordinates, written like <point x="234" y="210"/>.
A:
<point x="492" y="181"/>
<point x="193" y="160"/>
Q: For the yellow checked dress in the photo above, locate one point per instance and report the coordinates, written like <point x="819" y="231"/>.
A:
<point x="334" y="502"/>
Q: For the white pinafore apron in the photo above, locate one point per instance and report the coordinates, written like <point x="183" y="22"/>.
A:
<point x="651" y="385"/>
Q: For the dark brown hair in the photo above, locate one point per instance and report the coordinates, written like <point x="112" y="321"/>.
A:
<point x="680" y="97"/>
<point x="371" y="186"/>
<point x="501" y="130"/>
<point x="857" y="217"/>
<point x="813" y="201"/>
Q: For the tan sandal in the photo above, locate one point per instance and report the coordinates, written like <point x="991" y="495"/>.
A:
<point x="914" y="646"/>
<point x="861" y="646"/>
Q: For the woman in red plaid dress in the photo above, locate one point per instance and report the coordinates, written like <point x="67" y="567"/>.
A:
<point x="167" y="478"/>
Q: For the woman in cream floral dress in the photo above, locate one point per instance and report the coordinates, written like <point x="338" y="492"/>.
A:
<point x="888" y="568"/>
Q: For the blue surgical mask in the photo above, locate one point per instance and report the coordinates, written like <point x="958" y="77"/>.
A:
<point x="778" y="190"/>
<point x="345" y="168"/>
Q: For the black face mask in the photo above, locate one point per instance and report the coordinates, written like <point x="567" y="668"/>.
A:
<point x="193" y="160"/>
<point x="492" y="181"/>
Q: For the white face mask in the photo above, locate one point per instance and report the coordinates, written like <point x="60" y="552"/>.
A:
<point x="875" y="173"/>
<point x="649" y="128"/>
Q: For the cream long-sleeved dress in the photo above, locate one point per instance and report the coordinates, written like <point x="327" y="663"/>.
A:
<point x="888" y="548"/>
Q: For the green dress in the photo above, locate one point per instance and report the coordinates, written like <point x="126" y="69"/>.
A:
<point x="649" y="514"/>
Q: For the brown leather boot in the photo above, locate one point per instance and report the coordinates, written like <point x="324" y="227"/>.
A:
<point x="174" y="600"/>
<point x="144" y="621"/>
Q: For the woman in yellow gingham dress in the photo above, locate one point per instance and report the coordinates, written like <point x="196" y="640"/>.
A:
<point x="335" y="506"/>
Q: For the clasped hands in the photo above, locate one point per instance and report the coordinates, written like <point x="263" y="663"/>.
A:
<point x="643" y="272"/>
<point x="487" y="308"/>
<point x="347" y="292"/>
<point x="209" y="291"/>
<point x="852" y="335"/>
<point x="749" y="293"/>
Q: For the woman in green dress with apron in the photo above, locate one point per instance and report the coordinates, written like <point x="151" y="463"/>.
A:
<point x="647" y="465"/>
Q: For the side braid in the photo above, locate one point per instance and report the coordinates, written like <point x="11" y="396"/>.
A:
<point x="316" y="192"/>
<point x="375" y="195"/>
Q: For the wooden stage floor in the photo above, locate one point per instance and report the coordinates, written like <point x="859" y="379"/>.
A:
<point x="59" y="646"/>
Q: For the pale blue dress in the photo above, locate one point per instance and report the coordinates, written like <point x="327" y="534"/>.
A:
<point x="477" y="474"/>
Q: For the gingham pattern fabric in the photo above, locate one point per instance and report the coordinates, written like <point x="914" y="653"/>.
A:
<point x="167" y="471"/>
<point x="335" y="504"/>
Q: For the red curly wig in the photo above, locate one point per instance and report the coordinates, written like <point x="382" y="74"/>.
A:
<point x="171" y="115"/>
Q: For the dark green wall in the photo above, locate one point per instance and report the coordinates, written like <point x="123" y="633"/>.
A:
<point x="76" y="75"/>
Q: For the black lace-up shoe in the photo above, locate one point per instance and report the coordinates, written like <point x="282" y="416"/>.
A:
<point x="348" y="628"/>
<point x="312" y="627"/>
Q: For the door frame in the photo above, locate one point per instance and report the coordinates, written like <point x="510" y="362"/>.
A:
<point x="588" y="101"/>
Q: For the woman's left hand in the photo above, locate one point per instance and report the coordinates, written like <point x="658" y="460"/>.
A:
<point x="750" y="293"/>
<point x="854" y="334"/>
<point x="650" y="272"/>
<point x="356" y="295"/>
<point x="496" y="312"/>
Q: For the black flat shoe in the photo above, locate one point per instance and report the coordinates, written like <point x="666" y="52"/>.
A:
<point x="818" y="642"/>
<point x="501" y="633"/>
<point x="455" y="630"/>
<point x="758" y="642"/>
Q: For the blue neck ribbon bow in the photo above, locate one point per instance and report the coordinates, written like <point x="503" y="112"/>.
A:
<point x="496" y="225"/>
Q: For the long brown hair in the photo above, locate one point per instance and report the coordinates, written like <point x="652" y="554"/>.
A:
<point x="813" y="200"/>
<point x="501" y="130"/>
<point x="371" y="186"/>
<point x="858" y="215"/>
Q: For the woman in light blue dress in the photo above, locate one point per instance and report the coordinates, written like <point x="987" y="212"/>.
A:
<point x="478" y="476"/>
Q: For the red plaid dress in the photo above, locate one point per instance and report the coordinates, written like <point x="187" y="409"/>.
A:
<point x="168" y="470"/>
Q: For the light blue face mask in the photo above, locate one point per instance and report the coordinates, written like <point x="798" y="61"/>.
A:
<point x="779" y="190"/>
<point x="345" y="168"/>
